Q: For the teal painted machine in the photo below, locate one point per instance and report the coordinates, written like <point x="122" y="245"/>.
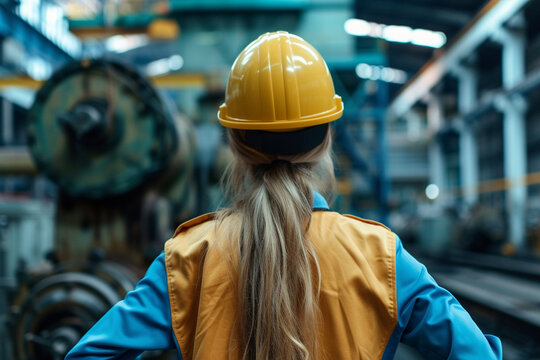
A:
<point x="98" y="129"/>
<point x="122" y="157"/>
<point x="124" y="162"/>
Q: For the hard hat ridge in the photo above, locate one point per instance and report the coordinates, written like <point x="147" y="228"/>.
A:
<point x="279" y="82"/>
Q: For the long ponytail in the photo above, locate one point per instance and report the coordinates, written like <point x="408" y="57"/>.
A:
<point x="277" y="266"/>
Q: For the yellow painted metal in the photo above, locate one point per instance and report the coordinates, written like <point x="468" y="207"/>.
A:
<point x="493" y="186"/>
<point x="177" y="81"/>
<point x="173" y="81"/>
<point x="164" y="29"/>
<point x="101" y="32"/>
<point x="158" y="29"/>
<point x="17" y="161"/>
<point x="25" y="82"/>
<point x="279" y="82"/>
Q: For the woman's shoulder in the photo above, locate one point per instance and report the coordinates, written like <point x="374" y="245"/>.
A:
<point x="191" y="235"/>
<point x="328" y="229"/>
<point x="335" y="221"/>
<point x="367" y="222"/>
<point x="205" y="218"/>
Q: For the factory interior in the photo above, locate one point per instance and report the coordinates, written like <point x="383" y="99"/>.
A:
<point x="439" y="140"/>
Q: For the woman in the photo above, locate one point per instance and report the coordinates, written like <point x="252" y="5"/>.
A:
<point x="277" y="275"/>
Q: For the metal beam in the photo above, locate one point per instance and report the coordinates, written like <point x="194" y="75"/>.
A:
<point x="178" y="81"/>
<point x="17" y="161"/>
<point x="24" y="82"/>
<point x="490" y="18"/>
<point x="103" y="31"/>
<point x="33" y="40"/>
<point x="173" y="81"/>
<point x="488" y="103"/>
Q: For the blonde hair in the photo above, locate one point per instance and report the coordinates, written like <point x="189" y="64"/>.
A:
<point x="278" y="273"/>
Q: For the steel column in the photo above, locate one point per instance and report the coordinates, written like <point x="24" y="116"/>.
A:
<point x="382" y="153"/>
<point x="514" y="140"/>
<point x="435" y="154"/>
<point x="6" y="121"/>
<point x="468" y="154"/>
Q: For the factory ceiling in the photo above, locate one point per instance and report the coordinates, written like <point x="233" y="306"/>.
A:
<point x="447" y="16"/>
<point x="209" y="33"/>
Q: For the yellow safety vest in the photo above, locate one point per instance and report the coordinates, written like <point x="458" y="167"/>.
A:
<point x="358" y="290"/>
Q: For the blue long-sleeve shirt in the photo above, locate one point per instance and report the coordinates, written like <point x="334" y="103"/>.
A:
<point x="430" y="319"/>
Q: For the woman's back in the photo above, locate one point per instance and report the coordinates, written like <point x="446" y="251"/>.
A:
<point x="357" y="298"/>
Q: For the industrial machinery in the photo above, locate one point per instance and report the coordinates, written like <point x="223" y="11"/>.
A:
<point x="124" y="162"/>
<point x="59" y="307"/>
<point x="101" y="132"/>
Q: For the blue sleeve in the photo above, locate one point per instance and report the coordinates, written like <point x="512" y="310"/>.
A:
<point x="431" y="320"/>
<point x="142" y="321"/>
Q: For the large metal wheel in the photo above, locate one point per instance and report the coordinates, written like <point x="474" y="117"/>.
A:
<point x="98" y="128"/>
<point x="61" y="307"/>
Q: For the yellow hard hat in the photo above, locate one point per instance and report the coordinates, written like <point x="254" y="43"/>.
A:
<point x="279" y="82"/>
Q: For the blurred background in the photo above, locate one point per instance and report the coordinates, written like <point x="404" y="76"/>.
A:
<point x="109" y="139"/>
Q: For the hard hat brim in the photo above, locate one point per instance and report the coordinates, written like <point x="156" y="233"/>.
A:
<point x="281" y="125"/>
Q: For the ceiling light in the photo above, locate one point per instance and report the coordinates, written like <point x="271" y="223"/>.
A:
<point x="434" y="39"/>
<point x="386" y="74"/>
<point x="357" y="27"/>
<point x="123" y="43"/>
<point x="175" y="62"/>
<point x="363" y="71"/>
<point x="395" y="33"/>
<point x="432" y="191"/>
<point x="402" y="34"/>
<point x="165" y="65"/>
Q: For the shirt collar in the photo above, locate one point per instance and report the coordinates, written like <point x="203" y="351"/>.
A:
<point x="319" y="202"/>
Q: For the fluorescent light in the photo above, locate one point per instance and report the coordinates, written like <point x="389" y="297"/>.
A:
<point x="123" y="43"/>
<point x="38" y="69"/>
<point x="432" y="191"/>
<point x="363" y="71"/>
<point x="395" y="33"/>
<point x="175" y="62"/>
<point x="434" y="39"/>
<point x="375" y="73"/>
<point x="376" y="30"/>
<point x="158" y="67"/>
<point x="165" y="65"/>
<point x="386" y="74"/>
<point x="357" y="27"/>
<point x="393" y="75"/>
<point x="402" y="34"/>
